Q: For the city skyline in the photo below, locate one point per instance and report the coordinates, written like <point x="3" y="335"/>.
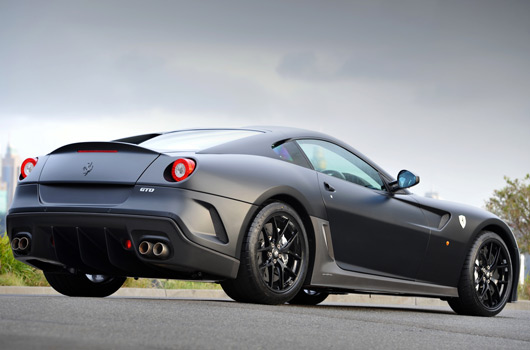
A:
<point x="9" y="171"/>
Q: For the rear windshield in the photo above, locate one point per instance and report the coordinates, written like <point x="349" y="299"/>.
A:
<point x="195" y="140"/>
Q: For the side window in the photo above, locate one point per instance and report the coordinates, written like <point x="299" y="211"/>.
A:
<point x="334" y="160"/>
<point x="290" y="152"/>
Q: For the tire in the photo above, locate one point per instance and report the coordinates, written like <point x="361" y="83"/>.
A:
<point x="274" y="258"/>
<point x="231" y="289"/>
<point x="486" y="279"/>
<point x="309" y="297"/>
<point x="81" y="285"/>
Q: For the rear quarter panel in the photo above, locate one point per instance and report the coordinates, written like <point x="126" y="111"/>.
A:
<point x="244" y="178"/>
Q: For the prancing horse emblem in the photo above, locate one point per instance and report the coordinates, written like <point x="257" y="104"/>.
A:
<point x="462" y="219"/>
<point x="88" y="168"/>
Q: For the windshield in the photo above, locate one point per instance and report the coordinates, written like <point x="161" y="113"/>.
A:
<point x="195" y="140"/>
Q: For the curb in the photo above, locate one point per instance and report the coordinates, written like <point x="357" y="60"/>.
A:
<point x="219" y="294"/>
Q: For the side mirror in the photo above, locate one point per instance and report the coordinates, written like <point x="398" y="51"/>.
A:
<point x="405" y="179"/>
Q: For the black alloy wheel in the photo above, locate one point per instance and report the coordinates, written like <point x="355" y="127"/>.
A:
<point x="274" y="258"/>
<point x="487" y="278"/>
<point x="492" y="274"/>
<point x="279" y="254"/>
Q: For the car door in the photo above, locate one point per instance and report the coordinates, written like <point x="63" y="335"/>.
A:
<point x="373" y="231"/>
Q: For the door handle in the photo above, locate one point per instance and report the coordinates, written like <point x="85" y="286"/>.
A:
<point x="328" y="187"/>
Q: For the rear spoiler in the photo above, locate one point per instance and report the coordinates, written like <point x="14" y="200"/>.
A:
<point x="102" y="147"/>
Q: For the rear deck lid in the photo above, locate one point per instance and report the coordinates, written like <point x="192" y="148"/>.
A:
<point x="97" y="163"/>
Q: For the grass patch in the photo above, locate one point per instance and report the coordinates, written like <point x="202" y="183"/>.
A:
<point x="14" y="272"/>
<point x="10" y="279"/>
<point x="137" y="283"/>
<point x="168" y="284"/>
<point x="175" y="284"/>
<point x="523" y="292"/>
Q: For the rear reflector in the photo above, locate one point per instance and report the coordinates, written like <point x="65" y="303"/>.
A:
<point x="27" y="167"/>
<point x="182" y="168"/>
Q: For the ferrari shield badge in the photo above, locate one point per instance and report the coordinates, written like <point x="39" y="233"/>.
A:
<point x="462" y="219"/>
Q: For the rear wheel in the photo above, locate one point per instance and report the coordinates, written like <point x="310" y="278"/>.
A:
<point x="274" y="258"/>
<point x="486" y="279"/>
<point x="81" y="285"/>
<point x="309" y="297"/>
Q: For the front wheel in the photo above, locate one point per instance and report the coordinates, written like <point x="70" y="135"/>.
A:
<point x="487" y="277"/>
<point x="274" y="258"/>
<point x="81" y="285"/>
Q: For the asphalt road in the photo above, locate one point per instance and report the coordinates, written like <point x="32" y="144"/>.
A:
<point x="57" y="322"/>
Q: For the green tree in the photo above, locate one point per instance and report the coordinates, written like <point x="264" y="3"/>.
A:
<point x="512" y="204"/>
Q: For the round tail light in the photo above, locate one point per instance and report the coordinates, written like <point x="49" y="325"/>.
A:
<point x="182" y="168"/>
<point x="27" y="167"/>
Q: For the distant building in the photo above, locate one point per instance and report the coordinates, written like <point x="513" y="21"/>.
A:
<point x="10" y="172"/>
<point x="3" y="207"/>
<point x="3" y="198"/>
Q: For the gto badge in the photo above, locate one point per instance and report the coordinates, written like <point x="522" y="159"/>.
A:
<point x="88" y="168"/>
<point x="462" y="219"/>
<point x="147" y="189"/>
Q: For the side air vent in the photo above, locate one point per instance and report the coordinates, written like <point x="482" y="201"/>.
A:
<point x="218" y="226"/>
<point x="443" y="221"/>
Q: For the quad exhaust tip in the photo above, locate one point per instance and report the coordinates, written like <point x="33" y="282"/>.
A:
<point x="158" y="250"/>
<point x="20" y="244"/>
<point x="145" y="248"/>
<point x="14" y="243"/>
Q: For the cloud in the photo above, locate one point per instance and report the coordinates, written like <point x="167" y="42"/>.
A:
<point x="430" y="85"/>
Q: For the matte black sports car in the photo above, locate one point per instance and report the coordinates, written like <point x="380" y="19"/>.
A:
<point x="273" y="214"/>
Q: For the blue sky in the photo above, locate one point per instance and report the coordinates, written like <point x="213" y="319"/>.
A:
<point x="437" y="87"/>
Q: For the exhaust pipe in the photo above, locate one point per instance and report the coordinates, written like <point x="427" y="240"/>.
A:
<point x="15" y="243"/>
<point x="145" y="248"/>
<point x="153" y="248"/>
<point x="23" y="243"/>
<point x="160" y="250"/>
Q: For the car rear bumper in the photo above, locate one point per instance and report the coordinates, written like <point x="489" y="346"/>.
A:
<point x="96" y="244"/>
<point x="201" y="231"/>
